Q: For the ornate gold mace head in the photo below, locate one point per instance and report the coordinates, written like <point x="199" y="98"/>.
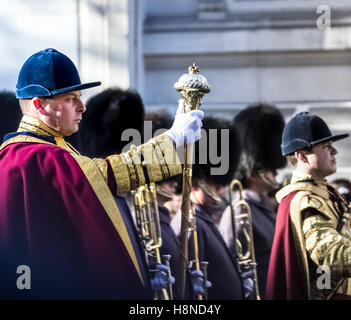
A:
<point x="192" y="86"/>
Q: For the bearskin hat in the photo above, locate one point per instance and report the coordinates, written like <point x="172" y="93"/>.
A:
<point x="213" y="141"/>
<point x="260" y="128"/>
<point x="160" y="119"/>
<point x="10" y="113"/>
<point x="108" y="114"/>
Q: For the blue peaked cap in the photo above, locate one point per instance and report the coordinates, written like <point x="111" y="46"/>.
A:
<point x="306" y="130"/>
<point x="49" y="72"/>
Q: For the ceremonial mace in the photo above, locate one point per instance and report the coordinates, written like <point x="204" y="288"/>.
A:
<point x="192" y="87"/>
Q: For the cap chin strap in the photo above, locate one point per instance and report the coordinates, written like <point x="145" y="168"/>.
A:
<point x="163" y="193"/>
<point x="208" y="192"/>
<point x="266" y="180"/>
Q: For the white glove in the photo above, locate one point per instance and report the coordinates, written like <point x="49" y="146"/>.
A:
<point x="186" y="127"/>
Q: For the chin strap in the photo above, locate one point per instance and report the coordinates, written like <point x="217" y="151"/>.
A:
<point x="208" y="192"/>
<point x="266" y="180"/>
<point x="163" y="193"/>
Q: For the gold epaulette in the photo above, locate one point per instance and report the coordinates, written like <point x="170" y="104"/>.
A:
<point x="320" y="190"/>
<point x="314" y="196"/>
<point x="311" y="201"/>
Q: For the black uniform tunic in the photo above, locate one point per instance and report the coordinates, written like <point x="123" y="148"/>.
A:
<point x="222" y="270"/>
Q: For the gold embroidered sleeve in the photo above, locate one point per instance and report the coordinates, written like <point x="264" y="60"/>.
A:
<point x="153" y="161"/>
<point x="325" y="245"/>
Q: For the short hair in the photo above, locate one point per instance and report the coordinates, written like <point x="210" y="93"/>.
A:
<point x="25" y="105"/>
<point x="292" y="158"/>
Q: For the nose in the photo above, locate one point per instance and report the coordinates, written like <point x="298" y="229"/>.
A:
<point x="81" y="106"/>
<point x="333" y="151"/>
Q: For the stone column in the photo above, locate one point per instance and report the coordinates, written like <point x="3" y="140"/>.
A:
<point x="110" y="42"/>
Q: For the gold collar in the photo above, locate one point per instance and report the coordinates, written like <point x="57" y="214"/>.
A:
<point x="37" y="126"/>
<point x="302" y="182"/>
<point x="30" y="124"/>
<point x="299" y="177"/>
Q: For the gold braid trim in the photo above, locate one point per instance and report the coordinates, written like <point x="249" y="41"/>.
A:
<point x="131" y="170"/>
<point x="159" y="159"/>
<point x="168" y="164"/>
<point x="302" y="186"/>
<point x="162" y="158"/>
<point x="171" y="157"/>
<point x="152" y="165"/>
<point x="37" y="126"/>
<point x="121" y="173"/>
<point x="296" y="222"/>
<point x="23" y="138"/>
<point x="61" y="142"/>
<point x="102" y="166"/>
<point x="34" y="125"/>
<point x="128" y="169"/>
<point x="137" y="167"/>
<point x="317" y="237"/>
<point x="105" y="196"/>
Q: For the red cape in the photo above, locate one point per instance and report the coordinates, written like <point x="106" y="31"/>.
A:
<point x="284" y="281"/>
<point x="52" y="221"/>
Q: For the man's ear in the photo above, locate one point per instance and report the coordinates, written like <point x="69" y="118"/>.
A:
<point x="39" y="104"/>
<point x="301" y="155"/>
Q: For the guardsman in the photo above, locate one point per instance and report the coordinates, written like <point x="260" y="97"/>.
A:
<point x="58" y="216"/>
<point x="210" y="181"/>
<point x="260" y="128"/>
<point x="311" y="253"/>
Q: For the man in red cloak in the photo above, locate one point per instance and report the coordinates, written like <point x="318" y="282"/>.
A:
<point x="61" y="233"/>
<point x="311" y="253"/>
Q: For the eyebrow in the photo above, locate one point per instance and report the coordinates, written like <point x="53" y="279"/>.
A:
<point x="74" y="95"/>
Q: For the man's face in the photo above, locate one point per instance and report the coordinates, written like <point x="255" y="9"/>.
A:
<point x="64" y="112"/>
<point x="322" y="159"/>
